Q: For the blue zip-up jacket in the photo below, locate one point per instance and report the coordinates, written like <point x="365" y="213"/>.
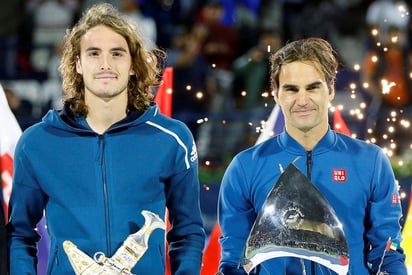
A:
<point x="93" y="188"/>
<point x="365" y="200"/>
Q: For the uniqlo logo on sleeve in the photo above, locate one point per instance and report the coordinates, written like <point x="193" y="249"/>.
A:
<point x="396" y="199"/>
<point x="339" y="175"/>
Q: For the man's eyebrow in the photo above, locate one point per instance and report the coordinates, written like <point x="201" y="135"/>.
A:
<point x="92" y="49"/>
<point x="289" y="86"/>
<point x="308" y="86"/>
<point x="314" y="84"/>
<point x="118" y="49"/>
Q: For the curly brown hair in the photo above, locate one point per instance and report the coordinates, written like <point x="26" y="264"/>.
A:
<point x="145" y="63"/>
<point x="310" y="49"/>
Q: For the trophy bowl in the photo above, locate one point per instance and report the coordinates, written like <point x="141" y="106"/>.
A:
<point x="296" y="220"/>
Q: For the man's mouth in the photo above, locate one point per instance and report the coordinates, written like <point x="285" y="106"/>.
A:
<point x="106" y="76"/>
<point x="303" y="112"/>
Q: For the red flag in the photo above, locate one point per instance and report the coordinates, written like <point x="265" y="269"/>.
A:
<point x="211" y="256"/>
<point x="163" y="97"/>
<point x="10" y="132"/>
<point x="339" y="125"/>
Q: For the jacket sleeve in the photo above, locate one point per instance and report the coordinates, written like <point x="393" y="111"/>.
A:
<point x="25" y="211"/>
<point x="384" y="214"/>
<point x="236" y="217"/>
<point x="186" y="236"/>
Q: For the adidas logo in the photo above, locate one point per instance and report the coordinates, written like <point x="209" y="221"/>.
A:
<point x="193" y="153"/>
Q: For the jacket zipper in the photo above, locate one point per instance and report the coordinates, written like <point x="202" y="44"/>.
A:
<point x="309" y="175"/>
<point x="105" y="194"/>
<point x="309" y="164"/>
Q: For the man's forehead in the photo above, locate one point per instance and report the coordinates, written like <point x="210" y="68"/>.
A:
<point x="102" y="35"/>
<point x="301" y="71"/>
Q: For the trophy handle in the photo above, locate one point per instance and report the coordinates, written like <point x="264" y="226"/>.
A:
<point x="125" y="258"/>
<point x="134" y="247"/>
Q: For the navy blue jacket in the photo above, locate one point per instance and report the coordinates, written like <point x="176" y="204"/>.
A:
<point x="93" y="188"/>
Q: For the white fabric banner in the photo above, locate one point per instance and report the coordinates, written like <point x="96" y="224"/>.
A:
<point x="10" y="132"/>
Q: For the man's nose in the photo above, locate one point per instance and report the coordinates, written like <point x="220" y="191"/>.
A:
<point x="302" y="97"/>
<point x="105" y="63"/>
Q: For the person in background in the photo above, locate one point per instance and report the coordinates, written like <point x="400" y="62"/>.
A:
<point x="192" y="80"/>
<point x="147" y="25"/>
<point x="21" y="108"/>
<point x="219" y="46"/>
<point x="12" y="17"/>
<point x="51" y="19"/>
<point x="106" y="157"/>
<point x="251" y="69"/>
<point x="366" y="200"/>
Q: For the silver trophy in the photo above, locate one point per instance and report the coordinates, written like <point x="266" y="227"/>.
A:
<point x="125" y="258"/>
<point x="297" y="221"/>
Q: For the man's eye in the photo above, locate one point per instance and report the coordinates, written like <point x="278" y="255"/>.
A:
<point x="94" y="53"/>
<point x="314" y="88"/>
<point x="117" y="54"/>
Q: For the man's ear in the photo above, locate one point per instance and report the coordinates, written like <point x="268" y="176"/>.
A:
<point x="331" y="93"/>
<point x="275" y="97"/>
<point x="79" y="69"/>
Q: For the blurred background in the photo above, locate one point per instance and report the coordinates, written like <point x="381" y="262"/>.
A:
<point x="219" y="50"/>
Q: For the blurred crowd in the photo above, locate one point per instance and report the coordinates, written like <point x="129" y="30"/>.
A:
<point x="219" y="51"/>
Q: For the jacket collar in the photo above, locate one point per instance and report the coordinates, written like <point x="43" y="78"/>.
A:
<point x="290" y="144"/>
<point x="66" y="120"/>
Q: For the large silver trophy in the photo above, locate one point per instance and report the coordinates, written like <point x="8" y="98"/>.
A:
<point x="125" y="258"/>
<point x="297" y="221"/>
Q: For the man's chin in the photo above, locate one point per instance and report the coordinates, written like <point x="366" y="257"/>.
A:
<point x="305" y="126"/>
